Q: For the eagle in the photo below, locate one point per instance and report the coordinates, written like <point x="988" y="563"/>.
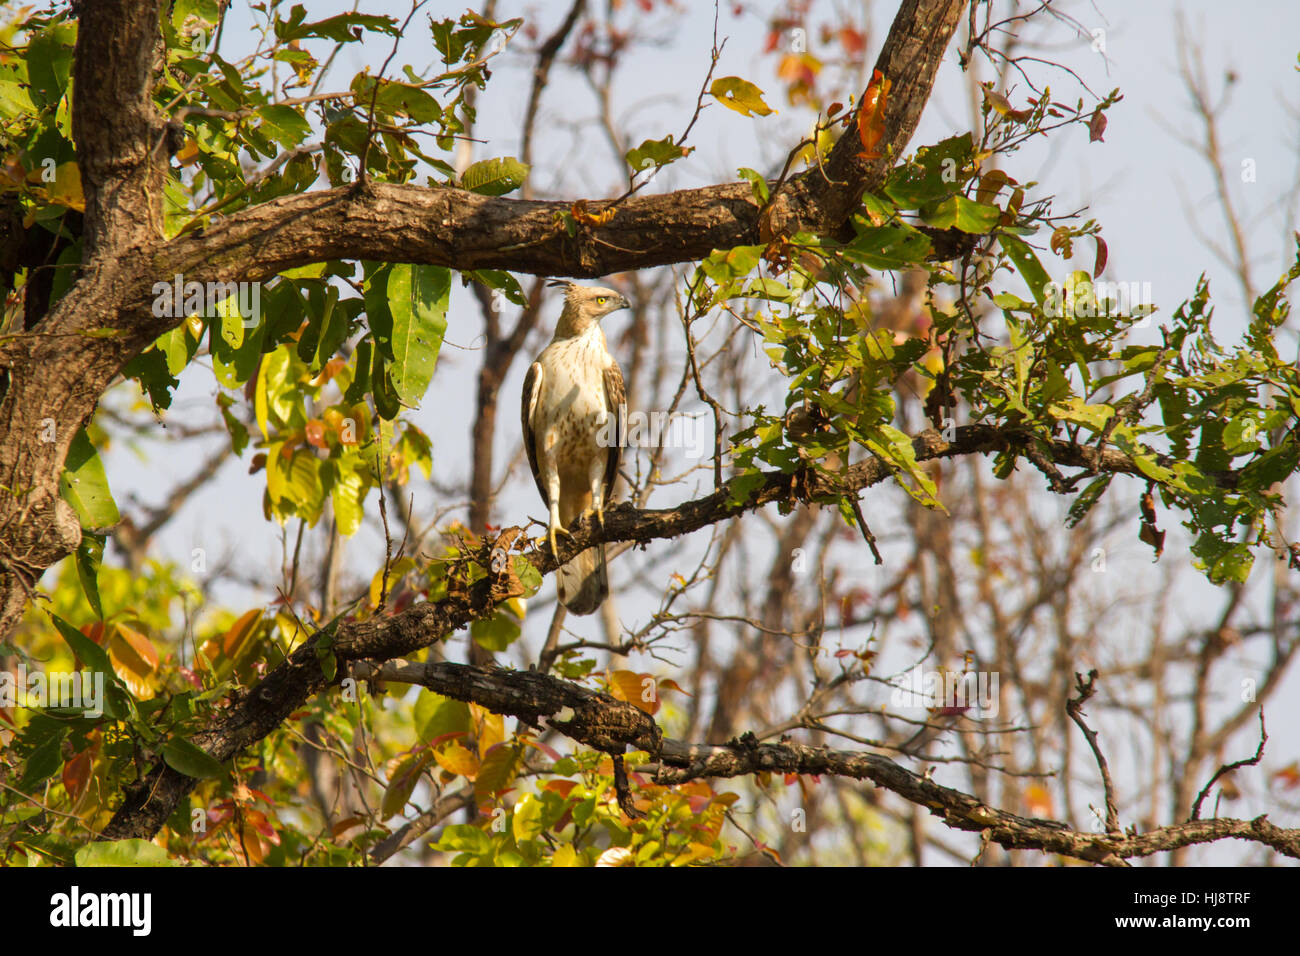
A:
<point x="573" y="418"/>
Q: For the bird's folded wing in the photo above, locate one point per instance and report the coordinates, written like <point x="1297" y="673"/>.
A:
<point x="531" y="394"/>
<point x="615" y="398"/>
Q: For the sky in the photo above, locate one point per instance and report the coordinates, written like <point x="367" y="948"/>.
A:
<point x="1151" y="193"/>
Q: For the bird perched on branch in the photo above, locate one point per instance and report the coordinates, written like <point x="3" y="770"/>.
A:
<point x="573" y="433"/>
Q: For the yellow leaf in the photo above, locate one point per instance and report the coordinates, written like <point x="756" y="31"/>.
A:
<point x="565" y="856"/>
<point x="639" y="690"/>
<point x="740" y="95"/>
<point x="66" y="188"/>
<point x="491" y="728"/>
<point x="134" y="660"/>
<point x="456" y="759"/>
<point x="396" y="571"/>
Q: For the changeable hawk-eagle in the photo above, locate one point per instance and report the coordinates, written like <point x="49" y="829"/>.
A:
<point x="573" y="433"/>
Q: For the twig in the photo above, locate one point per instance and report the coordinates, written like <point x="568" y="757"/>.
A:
<point x="1228" y="768"/>
<point x="1074" y="707"/>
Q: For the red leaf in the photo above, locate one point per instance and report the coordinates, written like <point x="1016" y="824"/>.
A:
<point x="1099" y="266"/>
<point x="871" y="115"/>
<point x="76" y="774"/>
<point x="1096" y="126"/>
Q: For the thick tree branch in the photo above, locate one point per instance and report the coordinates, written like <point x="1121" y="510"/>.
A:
<point x="51" y="378"/>
<point x="599" y="721"/>
<point x="118" y="131"/>
<point x="464" y="230"/>
<point x="253" y="715"/>
<point x="121" y="141"/>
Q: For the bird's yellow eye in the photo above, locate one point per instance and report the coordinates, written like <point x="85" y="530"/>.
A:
<point x="602" y="299"/>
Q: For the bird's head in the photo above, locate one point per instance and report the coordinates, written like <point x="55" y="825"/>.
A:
<point x="585" y="305"/>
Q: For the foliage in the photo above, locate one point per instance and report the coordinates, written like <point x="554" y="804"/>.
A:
<point x="331" y="355"/>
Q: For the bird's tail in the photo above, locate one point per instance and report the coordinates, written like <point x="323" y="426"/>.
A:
<point x="583" y="583"/>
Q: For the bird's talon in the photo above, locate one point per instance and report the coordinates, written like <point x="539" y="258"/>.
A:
<point x="553" y="533"/>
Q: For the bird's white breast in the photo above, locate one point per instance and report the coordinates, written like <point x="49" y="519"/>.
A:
<point x="571" y="405"/>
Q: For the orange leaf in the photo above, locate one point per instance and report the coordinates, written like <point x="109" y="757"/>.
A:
<point x="635" y="689"/>
<point x="871" y="115"/>
<point x="239" y="632"/>
<point x="1289" y="776"/>
<point x="458" y="760"/>
<point x="346" y="824"/>
<point x="666" y="684"/>
<point x="580" y="213"/>
<point x="770" y="851"/>
<point x="1038" y="801"/>
<point x="315" y="432"/>
<point x="134" y="659"/>
<point x="76" y="774"/>
<point x="188" y="153"/>
<point x="135" y="648"/>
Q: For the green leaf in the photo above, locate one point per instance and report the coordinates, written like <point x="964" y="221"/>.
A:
<point x="655" y="152"/>
<point x="43" y="761"/>
<point x="151" y="369"/>
<point x="294" y="483"/>
<point x="184" y="757"/>
<point x="133" y="852"/>
<point x="88" y="652"/>
<point x="348" y="493"/>
<point x="757" y="183"/>
<point x="344" y="28"/>
<point x="1087" y="498"/>
<point x="436" y="716"/>
<point x="1027" y="264"/>
<point x="402" y="782"/>
<point x="417" y="300"/>
<point x="1077" y="410"/>
<point x="49" y="63"/>
<point x="284" y="124"/>
<point x="381" y="388"/>
<point x="334" y="330"/>
<point x="495" y="633"/>
<point x="1222" y="560"/>
<point x="961" y="213"/>
<point x="891" y="246"/>
<point x="528" y="574"/>
<point x="741" y="487"/>
<point x="84" y="485"/>
<point x="526" y="822"/>
<point x="935" y="173"/>
<point x="494" y="177"/>
<point x="89" y="555"/>
<point x="740" y="95"/>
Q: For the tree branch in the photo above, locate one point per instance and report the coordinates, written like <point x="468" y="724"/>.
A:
<point x="599" y="721"/>
<point x="254" y="714"/>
